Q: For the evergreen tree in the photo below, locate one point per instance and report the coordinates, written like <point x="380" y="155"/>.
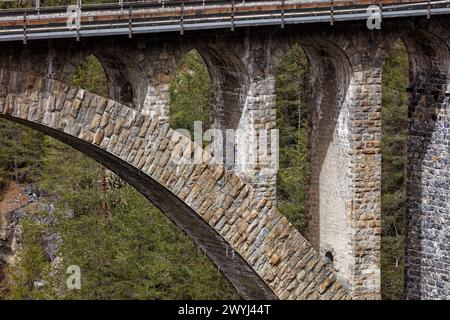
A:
<point x="20" y="153"/>
<point x="292" y="122"/>
<point x="190" y="93"/>
<point x="394" y="170"/>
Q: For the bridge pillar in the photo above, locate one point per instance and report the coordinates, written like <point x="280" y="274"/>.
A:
<point x="158" y="65"/>
<point x="364" y="208"/>
<point x="427" y="255"/>
<point x="259" y="165"/>
<point x="343" y="206"/>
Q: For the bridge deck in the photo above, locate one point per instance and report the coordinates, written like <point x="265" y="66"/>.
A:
<point x="177" y="16"/>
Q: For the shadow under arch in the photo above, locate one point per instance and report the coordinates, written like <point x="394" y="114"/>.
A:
<point x="328" y="190"/>
<point x="126" y="80"/>
<point x="230" y="83"/>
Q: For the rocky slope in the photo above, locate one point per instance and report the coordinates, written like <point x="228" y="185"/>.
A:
<point x="17" y="202"/>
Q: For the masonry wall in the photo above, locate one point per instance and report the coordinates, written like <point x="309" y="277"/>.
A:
<point x="329" y="162"/>
<point x="428" y="216"/>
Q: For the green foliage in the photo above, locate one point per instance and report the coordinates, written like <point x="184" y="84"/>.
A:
<point x="136" y="254"/>
<point x="16" y="4"/>
<point x="20" y="153"/>
<point x="190" y="93"/>
<point x="91" y="77"/>
<point x="394" y="166"/>
<point x="29" y="277"/>
<point x="133" y="253"/>
<point x="292" y="116"/>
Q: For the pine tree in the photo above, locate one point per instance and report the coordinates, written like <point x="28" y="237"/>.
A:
<point x="394" y="170"/>
<point x="292" y="121"/>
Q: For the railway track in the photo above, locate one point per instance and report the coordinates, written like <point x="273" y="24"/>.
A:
<point x="130" y="18"/>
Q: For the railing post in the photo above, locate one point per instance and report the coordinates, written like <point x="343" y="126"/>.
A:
<point x="182" y="19"/>
<point x="429" y="10"/>
<point x="130" y="22"/>
<point x="232" y="15"/>
<point x="381" y="11"/>
<point x="121" y="6"/>
<point x="78" y="34"/>
<point x="38" y="6"/>
<point x="79" y="24"/>
<point x="282" y="14"/>
<point x="332" y="13"/>
<point x="25" y="27"/>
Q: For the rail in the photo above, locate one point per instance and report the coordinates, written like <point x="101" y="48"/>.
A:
<point x="130" y="18"/>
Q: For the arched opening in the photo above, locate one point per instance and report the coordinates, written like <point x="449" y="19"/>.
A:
<point x="229" y="82"/>
<point x="91" y="76"/>
<point x="293" y="110"/>
<point x="317" y="143"/>
<point x="190" y="94"/>
<point x="394" y="149"/>
<point x="229" y="85"/>
<point x="122" y="79"/>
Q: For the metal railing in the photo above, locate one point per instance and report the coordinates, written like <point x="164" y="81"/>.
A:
<point x="131" y="18"/>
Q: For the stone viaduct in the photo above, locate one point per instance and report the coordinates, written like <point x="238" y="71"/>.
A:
<point x="229" y="212"/>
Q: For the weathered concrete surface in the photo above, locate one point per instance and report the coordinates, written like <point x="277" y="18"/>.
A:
<point x="234" y="208"/>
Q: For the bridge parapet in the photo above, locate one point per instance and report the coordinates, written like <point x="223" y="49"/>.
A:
<point x="130" y="18"/>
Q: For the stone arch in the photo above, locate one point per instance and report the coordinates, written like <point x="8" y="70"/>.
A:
<point x="254" y="247"/>
<point x="329" y="190"/>
<point x="229" y="79"/>
<point x="230" y="83"/>
<point x="126" y="80"/>
<point x="427" y="220"/>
